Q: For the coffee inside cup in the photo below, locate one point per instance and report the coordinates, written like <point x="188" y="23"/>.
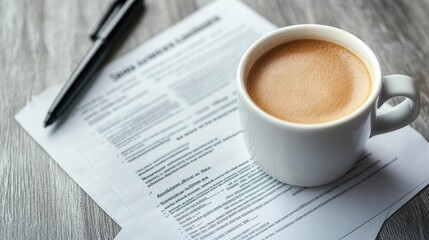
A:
<point x="308" y="81"/>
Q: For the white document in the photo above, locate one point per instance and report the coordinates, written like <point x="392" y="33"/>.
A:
<point x="90" y="182"/>
<point x="160" y="128"/>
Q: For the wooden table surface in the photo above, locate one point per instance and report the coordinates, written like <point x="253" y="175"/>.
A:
<point x="41" y="41"/>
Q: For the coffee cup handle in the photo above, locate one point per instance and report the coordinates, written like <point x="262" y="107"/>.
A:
<point x="402" y="114"/>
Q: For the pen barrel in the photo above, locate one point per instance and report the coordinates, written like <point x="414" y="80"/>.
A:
<point x="122" y="20"/>
<point x="79" y="78"/>
<point x="108" y="38"/>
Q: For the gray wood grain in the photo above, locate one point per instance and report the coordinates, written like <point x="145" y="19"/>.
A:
<point x="41" y="41"/>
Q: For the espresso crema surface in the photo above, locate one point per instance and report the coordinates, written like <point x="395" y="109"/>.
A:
<point x="308" y="81"/>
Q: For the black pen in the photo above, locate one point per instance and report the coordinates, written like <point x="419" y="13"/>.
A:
<point x="108" y="32"/>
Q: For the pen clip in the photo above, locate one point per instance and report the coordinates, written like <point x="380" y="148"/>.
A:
<point x="110" y="11"/>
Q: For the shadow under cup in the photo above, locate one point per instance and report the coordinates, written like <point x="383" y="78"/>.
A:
<point x="307" y="154"/>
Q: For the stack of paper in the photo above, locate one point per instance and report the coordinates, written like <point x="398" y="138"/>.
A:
<point x="156" y="142"/>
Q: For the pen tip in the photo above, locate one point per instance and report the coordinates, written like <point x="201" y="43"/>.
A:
<point x="48" y="120"/>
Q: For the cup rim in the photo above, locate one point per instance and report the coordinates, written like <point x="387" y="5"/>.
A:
<point x="375" y="79"/>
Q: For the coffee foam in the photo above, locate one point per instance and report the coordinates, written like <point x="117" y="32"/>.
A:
<point x="308" y="81"/>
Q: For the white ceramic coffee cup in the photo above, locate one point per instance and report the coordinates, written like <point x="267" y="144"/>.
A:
<point x="315" y="154"/>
